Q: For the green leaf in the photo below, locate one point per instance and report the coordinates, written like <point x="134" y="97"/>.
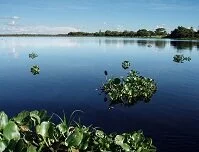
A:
<point x="3" y="120"/>
<point x="116" y="81"/>
<point x="34" y="115"/>
<point x="11" y="146"/>
<point x="126" y="147"/>
<point x="119" y="139"/>
<point x="3" y="145"/>
<point x="45" y="129"/>
<point x="11" y="131"/>
<point x="20" y="146"/>
<point x="75" y="138"/>
<point x="22" y="117"/>
<point x="32" y="148"/>
<point x="43" y="115"/>
<point x="99" y="133"/>
<point x="62" y="127"/>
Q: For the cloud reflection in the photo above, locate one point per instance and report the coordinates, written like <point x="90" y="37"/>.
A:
<point x="12" y="46"/>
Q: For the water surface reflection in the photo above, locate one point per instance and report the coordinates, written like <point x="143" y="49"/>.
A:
<point x="72" y="69"/>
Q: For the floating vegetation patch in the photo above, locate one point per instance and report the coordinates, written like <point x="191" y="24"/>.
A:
<point x="36" y="132"/>
<point x="33" y="55"/>
<point x="126" y="64"/>
<point x="180" y="58"/>
<point x="35" y="69"/>
<point x="129" y="90"/>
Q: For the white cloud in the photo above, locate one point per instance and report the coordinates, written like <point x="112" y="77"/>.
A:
<point x="190" y="27"/>
<point x="10" y="17"/>
<point x="36" y="29"/>
<point x="119" y="27"/>
<point x="12" y="23"/>
<point x="15" y="17"/>
<point x="160" y="26"/>
<point x="10" y="26"/>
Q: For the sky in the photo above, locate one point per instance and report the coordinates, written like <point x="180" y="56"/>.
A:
<point x="63" y="16"/>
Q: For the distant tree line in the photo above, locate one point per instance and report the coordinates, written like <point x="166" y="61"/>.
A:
<point x="161" y="32"/>
<point x="180" y="33"/>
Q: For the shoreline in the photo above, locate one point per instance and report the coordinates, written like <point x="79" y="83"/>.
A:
<point x="65" y="35"/>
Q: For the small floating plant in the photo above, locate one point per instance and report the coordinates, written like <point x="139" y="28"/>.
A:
<point x="33" y="55"/>
<point x="126" y="64"/>
<point x="35" y="69"/>
<point x="129" y="90"/>
<point x="181" y="58"/>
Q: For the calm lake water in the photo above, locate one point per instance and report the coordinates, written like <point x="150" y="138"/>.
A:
<point x="73" y="68"/>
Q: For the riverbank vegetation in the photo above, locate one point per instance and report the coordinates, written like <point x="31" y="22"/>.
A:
<point x="184" y="33"/>
<point x="179" y="33"/>
<point x="35" y="131"/>
<point x="159" y="32"/>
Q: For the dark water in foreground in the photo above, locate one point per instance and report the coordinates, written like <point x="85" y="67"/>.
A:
<point x="72" y="70"/>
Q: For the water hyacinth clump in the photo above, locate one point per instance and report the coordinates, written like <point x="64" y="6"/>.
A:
<point x="35" y="131"/>
<point x="181" y="58"/>
<point x="35" y="69"/>
<point x="126" y="64"/>
<point x="129" y="90"/>
<point x="33" y="55"/>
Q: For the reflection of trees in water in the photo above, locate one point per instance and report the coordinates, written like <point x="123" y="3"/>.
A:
<point x="185" y="45"/>
<point x="157" y="43"/>
<point x="160" y="44"/>
<point x="142" y="42"/>
<point x="145" y="43"/>
<point x="114" y="41"/>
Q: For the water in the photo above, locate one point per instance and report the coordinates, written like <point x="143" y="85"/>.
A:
<point x="72" y="69"/>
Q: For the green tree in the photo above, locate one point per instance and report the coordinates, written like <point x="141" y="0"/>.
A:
<point x="160" y="32"/>
<point x="125" y="33"/>
<point x="107" y="33"/>
<point x="143" y="33"/>
<point x="132" y="33"/>
<point x="182" y="32"/>
<point x="151" y="33"/>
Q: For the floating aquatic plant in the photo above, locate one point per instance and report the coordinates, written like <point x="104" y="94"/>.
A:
<point x="129" y="90"/>
<point x="33" y="55"/>
<point x="180" y="58"/>
<point x="126" y="64"/>
<point x="36" y="132"/>
<point x="35" y="69"/>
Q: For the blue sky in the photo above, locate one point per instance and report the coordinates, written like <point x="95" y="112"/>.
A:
<point x="62" y="16"/>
